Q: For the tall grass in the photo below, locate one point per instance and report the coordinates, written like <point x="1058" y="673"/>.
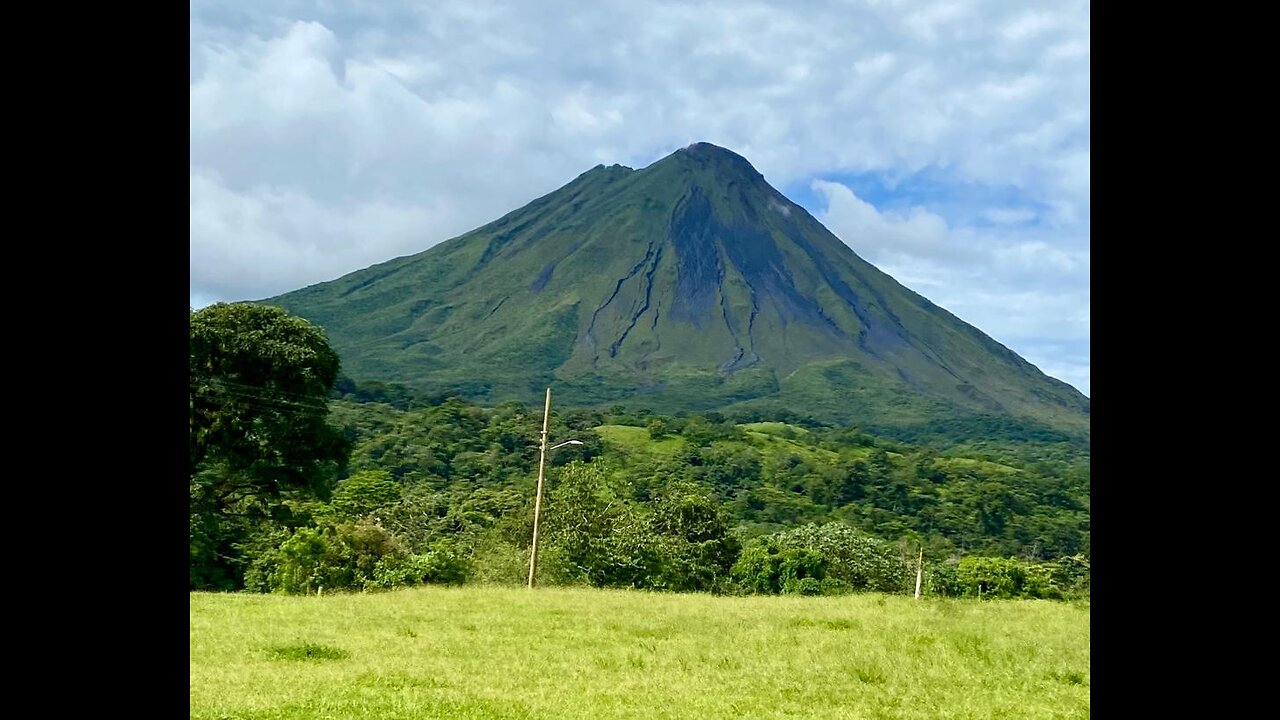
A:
<point x="486" y="652"/>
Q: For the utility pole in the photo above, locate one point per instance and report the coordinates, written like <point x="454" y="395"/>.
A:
<point x="919" y="571"/>
<point x="537" y="503"/>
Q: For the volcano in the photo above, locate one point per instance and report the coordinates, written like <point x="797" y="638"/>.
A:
<point x="690" y="284"/>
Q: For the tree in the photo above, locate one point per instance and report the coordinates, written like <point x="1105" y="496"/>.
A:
<point x="365" y="492"/>
<point x="692" y="532"/>
<point x="259" y="431"/>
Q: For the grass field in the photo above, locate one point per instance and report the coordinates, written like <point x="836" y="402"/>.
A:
<point x="484" y="652"/>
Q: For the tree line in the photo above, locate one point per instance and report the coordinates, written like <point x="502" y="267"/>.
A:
<point x="302" y="480"/>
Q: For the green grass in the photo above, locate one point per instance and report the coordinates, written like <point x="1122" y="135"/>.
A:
<point x="775" y="428"/>
<point x="485" y="652"/>
<point x="773" y="447"/>
<point x="767" y="437"/>
<point x="984" y="466"/>
<point x="635" y="442"/>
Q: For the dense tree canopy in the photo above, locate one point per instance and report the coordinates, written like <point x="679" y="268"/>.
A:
<point x="441" y="490"/>
<point x="259" y="434"/>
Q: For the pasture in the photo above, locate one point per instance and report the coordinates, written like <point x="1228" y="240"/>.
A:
<point x="478" y="652"/>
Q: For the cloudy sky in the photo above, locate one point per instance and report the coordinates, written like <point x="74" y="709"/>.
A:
<point x="945" y="142"/>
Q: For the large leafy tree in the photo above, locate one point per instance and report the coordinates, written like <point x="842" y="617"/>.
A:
<point x="259" y="435"/>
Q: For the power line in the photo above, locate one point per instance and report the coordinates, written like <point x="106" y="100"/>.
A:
<point x="253" y="388"/>
<point x="257" y="401"/>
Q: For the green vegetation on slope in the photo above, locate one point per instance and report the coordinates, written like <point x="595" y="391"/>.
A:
<point x="689" y="285"/>
<point x="444" y="493"/>
<point x="440" y="491"/>
<point x="1009" y="498"/>
<point x="479" y="652"/>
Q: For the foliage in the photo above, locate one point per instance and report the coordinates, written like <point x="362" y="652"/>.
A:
<point x="993" y="577"/>
<point x="259" y="430"/>
<point x="365" y="492"/>
<point x="450" y="485"/>
<point x="600" y="537"/>
<point x="1070" y="574"/>
<point x="342" y="556"/>
<point x="443" y="564"/>
<point x="678" y="540"/>
<point x="258" y="409"/>
<point x="767" y="569"/>
<point x="859" y="561"/>
<point x="827" y="559"/>
<point x="695" y="548"/>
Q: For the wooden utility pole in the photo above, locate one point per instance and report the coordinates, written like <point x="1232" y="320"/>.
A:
<point x="537" y="503"/>
<point x="919" y="571"/>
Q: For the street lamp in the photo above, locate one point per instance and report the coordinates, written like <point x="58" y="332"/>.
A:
<point x="537" y="503"/>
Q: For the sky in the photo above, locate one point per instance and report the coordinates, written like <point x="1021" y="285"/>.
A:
<point x="945" y="142"/>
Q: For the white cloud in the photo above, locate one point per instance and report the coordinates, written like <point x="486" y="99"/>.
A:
<point x="1027" y="288"/>
<point x="1009" y="216"/>
<point x="272" y="237"/>
<point x="326" y="137"/>
<point x="876" y="235"/>
<point x="1029" y="26"/>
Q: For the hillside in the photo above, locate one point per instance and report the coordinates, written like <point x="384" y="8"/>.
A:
<point x="691" y="284"/>
<point x="1028" y="498"/>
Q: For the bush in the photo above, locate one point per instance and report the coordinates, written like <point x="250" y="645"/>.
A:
<point x="693" y="547"/>
<point x="1038" y="582"/>
<point x="990" y="577"/>
<point x="678" y="540"/>
<point x="263" y="555"/>
<point x="803" y="586"/>
<point x="1071" y="575"/>
<point x="766" y="569"/>
<point x="940" y="579"/>
<point x="443" y="564"/>
<point x="497" y="562"/>
<point x="993" y="577"/>
<point x="658" y="429"/>
<point x="863" y="562"/>
<point x="343" y="556"/>
<point x="306" y="562"/>
<point x="835" y="586"/>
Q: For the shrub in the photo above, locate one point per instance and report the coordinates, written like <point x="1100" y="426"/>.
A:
<point x="765" y="568"/>
<point x="993" y="577"/>
<point x="1038" y="582"/>
<point x="941" y="579"/>
<point x="835" y="586"/>
<point x="1071" y="575"/>
<point x="443" y="564"/>
<point x="658" y="429"/>
<point x="678" y="540"/>
<point x="497" y="562"/>
<point x="990" y="577"/>
<point x="343" y="556"/>
<point x="306" y="562"/>
<point x="803" y="586"/>
<point x="863" y="562"/>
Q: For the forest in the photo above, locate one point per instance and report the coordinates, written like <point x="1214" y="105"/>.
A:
<point x="304" y="480"/>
